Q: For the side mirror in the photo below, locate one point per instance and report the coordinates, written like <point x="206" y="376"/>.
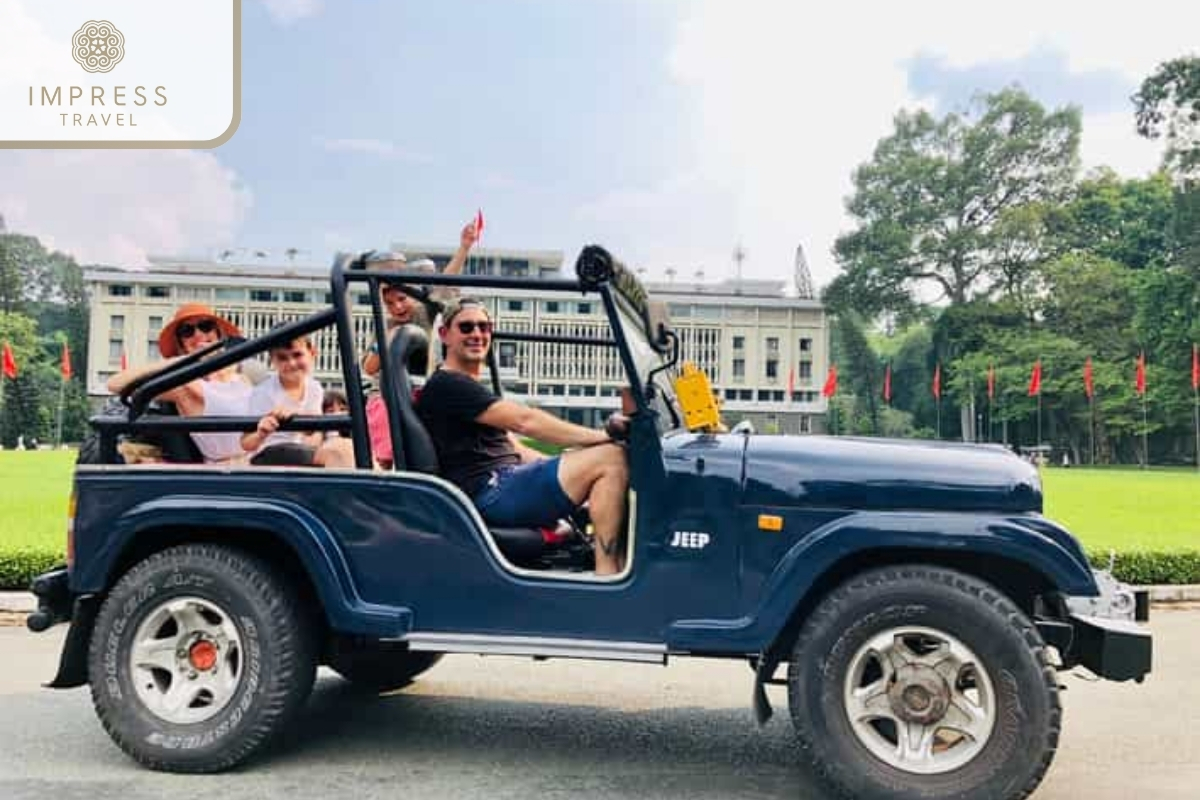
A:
<point x="745" y="426"/>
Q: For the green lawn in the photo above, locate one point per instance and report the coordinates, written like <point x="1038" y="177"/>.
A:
<point x="1126" y="510"/>
<point x="33" y="502"/>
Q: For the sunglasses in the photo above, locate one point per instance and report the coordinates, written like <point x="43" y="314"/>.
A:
<point x="469" y="325"/>
<point x="186" y="329"/>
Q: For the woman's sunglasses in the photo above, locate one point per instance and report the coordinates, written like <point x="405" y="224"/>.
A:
<point x="186" y="329"/>
<point x="469" y="325"/>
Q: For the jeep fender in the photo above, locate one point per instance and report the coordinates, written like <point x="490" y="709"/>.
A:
<point x="1033" y="542"/>
<point x="291" y="525"/>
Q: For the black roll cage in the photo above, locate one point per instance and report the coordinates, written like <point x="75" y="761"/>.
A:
<point x="347" y="270"/>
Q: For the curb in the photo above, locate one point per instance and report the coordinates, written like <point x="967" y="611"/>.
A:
<point x="25" y="602"/>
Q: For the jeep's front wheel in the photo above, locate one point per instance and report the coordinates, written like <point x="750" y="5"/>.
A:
<point x="200" y="654"/>
<point x="923" y="682"/>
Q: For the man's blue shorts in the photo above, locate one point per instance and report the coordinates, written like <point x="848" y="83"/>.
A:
<point x="526" y="496"/>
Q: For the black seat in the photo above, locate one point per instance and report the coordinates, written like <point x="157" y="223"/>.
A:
<point x="408" y="353"/>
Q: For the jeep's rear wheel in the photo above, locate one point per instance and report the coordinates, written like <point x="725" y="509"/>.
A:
<point x="200" y="654"/>
<point x="380" y="670"/>
<point x="923" y="682"/>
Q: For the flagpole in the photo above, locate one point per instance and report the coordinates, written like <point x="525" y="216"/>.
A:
<point x="1038" y="443"/>
<point x="62" y="385"/>
<point x="1092" y="428"/>
<point x="1145" y="435"/>
<point x="1196" y="416"/>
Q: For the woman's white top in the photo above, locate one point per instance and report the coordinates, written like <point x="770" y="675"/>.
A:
<point x="224" y="399"/>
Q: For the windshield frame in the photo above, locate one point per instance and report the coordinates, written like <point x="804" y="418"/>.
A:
<point x="653" y="367"/>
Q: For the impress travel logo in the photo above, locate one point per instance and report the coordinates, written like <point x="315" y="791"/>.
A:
<point x="98" y="46"/>
<point x="162" y="79"/>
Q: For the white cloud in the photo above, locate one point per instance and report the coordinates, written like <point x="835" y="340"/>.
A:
<point x="285" y="12"/>
<point x="119" y="206"/>
<point x="376" y="147"/>
<point x="792" y="97"/>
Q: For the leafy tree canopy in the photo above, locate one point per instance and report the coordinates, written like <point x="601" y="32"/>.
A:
<point x="938" y="201"/>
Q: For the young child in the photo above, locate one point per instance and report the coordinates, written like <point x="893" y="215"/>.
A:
<point x="289" y="391"/>
<point x="334" y="404"/>
<point x="411" y="305"/>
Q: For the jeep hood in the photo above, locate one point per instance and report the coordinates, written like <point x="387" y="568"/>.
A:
<point x="887" y="474"/>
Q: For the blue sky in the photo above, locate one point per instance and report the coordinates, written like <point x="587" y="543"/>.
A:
<point x="669" y="130"/>
<point x="399" y="123"/>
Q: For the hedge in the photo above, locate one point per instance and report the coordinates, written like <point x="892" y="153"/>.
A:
<point x="1144" y="567"/>
<point x="18" y="568"/>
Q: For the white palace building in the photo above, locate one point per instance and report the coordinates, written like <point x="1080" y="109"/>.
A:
<point x="750" y="337"/>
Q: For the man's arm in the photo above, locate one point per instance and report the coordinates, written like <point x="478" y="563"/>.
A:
<point x="536" y="424"/>
<point x="527" y="454"/>
<point x="466" y="241"/>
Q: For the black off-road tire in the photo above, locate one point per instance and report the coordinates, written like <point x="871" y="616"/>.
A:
<point x="1028" y="715"/>
<point x="381" y="670"/>
<point x="277" y="669"/>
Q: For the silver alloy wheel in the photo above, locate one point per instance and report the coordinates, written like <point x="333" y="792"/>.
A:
<point x="186" y="660"/>
<point x="919" y="700"/>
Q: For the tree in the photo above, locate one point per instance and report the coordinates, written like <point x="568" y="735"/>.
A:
<point x="1168" y="105"/>
<point x="1127" y="221"/>
<point x="862" y="370"/>
<point x="932" y="203"/>
<point x="1088" y="298"/>
<point x="20" y="399"/>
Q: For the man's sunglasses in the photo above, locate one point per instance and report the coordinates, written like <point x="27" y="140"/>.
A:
<point x="186" y="329"/>
<point x="469" y="326"/>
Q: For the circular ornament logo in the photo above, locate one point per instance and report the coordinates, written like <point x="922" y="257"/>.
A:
<point x="98" y="46"/>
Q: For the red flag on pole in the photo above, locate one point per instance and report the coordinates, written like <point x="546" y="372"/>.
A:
<point x="991" y="381"/>
<point x="1035" y="379"/>
<point x="478" y="226"/>
<point x="10" y="363"/>
<point x="830" y="387"/>
<point x="887" y="383"/>
<point x="1195" y="367"/>
<point x="937" y="381"/>
<point x="124" y="361"/>
<point x="66" y="362"/>
<point x="791" y="382"/>
<point x="1088" y="388"/>
<point x="1140" y="377"/>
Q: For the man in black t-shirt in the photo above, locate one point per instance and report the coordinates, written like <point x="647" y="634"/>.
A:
<point x="511" y="484"/>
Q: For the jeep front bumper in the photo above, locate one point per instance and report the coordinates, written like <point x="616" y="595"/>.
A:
<point x="1119" y="650"/>
<point x="1102" y="632"/>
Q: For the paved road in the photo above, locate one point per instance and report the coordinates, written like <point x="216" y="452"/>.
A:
<point x="512" y="728"/>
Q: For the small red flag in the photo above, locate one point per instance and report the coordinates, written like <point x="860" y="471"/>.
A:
<point x="887" y="384"/>
<point x="1035" y="379"/>
<point x="830" y="387"/>
<point x="791" y="382"/>
<point x="991" y="381"/>
<point x="1088" y="388"/>
<point x="124" y="361"/>
<point x="10" y="363"/>
<point x="937" y="381"/>
<point x="1140" y="377"/>
<point x="66" y="362"/>
<point x="1195" y="367"/>
<point x="478" y="226"/>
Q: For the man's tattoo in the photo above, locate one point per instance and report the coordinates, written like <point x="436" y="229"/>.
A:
<point x="610" y="547"/>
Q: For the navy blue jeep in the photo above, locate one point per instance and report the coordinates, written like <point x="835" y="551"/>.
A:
<point x="918" y="598"/>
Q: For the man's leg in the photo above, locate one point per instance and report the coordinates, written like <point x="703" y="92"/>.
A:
<point x="599" y="475"/>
